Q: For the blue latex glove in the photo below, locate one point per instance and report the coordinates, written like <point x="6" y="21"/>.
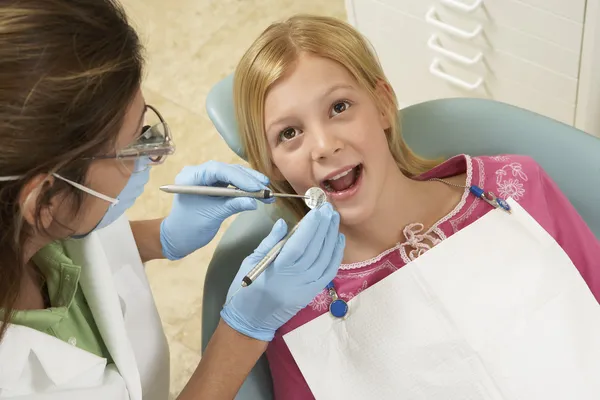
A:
<point x="195" y="220"/>
<point x="307" y="263"/>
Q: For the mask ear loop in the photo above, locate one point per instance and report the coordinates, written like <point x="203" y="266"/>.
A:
<point x="10" y="178"/>
<point x="70" y="182"/>
<point x="87" y="190"/>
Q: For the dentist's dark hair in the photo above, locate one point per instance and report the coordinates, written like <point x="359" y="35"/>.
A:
<point x="68" y="71"/>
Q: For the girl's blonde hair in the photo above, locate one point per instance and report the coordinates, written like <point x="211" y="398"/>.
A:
<point x="271" y="56"/>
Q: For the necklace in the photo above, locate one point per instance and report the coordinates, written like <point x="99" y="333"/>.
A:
<point x="339" y="308"/>
<point x="488" y="197"/>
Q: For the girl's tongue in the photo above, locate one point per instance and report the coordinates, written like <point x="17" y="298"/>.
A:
<point x="342" y="183"/>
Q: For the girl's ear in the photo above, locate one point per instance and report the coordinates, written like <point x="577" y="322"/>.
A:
<point x="385" y="93"/>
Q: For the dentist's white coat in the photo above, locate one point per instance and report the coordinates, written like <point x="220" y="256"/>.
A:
<point x="36" y="366"/>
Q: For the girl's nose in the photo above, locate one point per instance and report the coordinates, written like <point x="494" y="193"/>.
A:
<point x="325" y="144"/>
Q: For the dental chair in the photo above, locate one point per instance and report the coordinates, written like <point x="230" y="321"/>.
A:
<point x="435" y="128"/>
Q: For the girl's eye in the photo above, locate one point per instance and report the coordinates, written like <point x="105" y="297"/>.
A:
<point x="339" y="107"/>
<point x="287" y="134"/>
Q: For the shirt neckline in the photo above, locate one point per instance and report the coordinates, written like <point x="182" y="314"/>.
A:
<point x="448" y="168"/>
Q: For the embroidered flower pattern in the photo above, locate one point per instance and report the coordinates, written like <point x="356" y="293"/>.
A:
<point x="500" y="158"/>
<point x="349" y="296"/>
<point x="509" y="180"/>
<point x="511" y="188"/>
<point x="516" y="169"/>
<point x="321" y="302"/>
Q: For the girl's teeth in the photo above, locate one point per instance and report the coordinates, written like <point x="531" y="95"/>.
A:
<point x="338" y="176"/>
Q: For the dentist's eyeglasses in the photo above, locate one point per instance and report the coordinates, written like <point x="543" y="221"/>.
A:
<point x="151" y="148"/>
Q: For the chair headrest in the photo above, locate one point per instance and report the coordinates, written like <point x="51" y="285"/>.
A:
<point x="219" y="106"/>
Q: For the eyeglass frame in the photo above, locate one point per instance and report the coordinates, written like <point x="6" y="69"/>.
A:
<point x="162" y="152"/>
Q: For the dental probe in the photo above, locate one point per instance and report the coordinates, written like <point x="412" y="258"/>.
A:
<point x="225" y="192"/>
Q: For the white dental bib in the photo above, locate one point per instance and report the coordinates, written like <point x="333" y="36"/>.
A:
<point x="495" y="312"/>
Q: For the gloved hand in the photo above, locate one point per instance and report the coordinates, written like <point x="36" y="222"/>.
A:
<point x="195" y="220"/>
<point x="307" y="263"/>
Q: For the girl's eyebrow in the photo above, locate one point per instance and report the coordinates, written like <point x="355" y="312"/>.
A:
<point x="334" y="88"/>
<point x="277" y="122"/>
<point x="325" y="93"/>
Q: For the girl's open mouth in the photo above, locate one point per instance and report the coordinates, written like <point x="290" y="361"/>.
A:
<point x="342" y="182"/>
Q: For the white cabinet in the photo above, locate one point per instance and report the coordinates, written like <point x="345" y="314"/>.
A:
<point x="541" y="55"/>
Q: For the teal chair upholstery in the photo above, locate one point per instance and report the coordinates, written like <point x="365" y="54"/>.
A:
<point x="435" y="128"/>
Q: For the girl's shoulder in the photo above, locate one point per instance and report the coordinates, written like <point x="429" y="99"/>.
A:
<point x="509" y="175"/>
<point x="502" y="160"/>
<point x="506" y="175"/>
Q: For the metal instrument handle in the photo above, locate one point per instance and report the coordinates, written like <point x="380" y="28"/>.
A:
<point x="267" y="259"/>
<point x="216" y="191"/>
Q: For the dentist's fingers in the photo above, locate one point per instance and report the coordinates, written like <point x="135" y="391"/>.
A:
<point x="255" y="174"/>
<point x="318" y="245"/>
<point x="237" y="205"/>
<point x="296" y="246"/>
<point x="278" y="232"/>
<point x="327" y="249"/>
<point x="335" y="261"/>
<point x="215" y="173"/>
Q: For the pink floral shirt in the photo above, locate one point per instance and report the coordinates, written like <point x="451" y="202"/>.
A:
<point x="513" y="176"/>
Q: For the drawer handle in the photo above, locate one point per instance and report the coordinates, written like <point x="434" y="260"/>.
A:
<point x="431" y="18"/>
<point x="460" y="6"/>
<point x="434" y="68"/>
<point x="432" y="43"/>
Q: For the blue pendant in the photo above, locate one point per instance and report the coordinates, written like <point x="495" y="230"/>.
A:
<point x="338" y="308"/>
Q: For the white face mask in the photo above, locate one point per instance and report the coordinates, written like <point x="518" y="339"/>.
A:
<point x="132" y="190"/>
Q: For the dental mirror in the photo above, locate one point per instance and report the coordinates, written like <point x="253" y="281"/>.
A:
<point x="314" y="197"/>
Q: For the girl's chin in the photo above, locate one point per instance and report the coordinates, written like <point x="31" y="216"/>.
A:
<point x="353" y="217"/>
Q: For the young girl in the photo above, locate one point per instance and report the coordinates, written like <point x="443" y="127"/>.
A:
<point x="315" y="109"/>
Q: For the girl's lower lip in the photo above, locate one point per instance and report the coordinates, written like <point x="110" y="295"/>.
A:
<point x="348" y="193"/>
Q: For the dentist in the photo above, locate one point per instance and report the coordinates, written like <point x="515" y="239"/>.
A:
<point x="77" y="145"/>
